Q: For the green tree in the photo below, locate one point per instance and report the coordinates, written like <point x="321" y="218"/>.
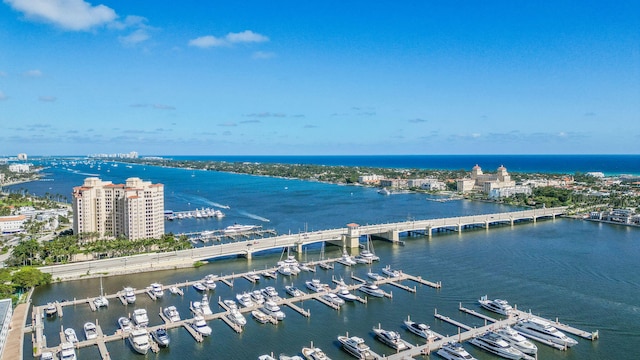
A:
<point x="28" y="277"/>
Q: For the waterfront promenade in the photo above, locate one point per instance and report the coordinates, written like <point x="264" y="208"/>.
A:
<point x="346" y="237"/>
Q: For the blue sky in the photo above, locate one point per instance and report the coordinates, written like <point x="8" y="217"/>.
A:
<point x="319" y="77"/>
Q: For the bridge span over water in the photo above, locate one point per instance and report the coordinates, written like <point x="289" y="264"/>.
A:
<point x="347" y="237"/>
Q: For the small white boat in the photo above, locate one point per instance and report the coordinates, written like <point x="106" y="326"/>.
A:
<point x="101" y="301"/>
<point x="260" y="316"/>
<point x="497" y="306"/>
<point x="266" y="357"/>
<point x="199" y="286"/>
<point x="90" y="331"/>
<point x="314" y="353"/>
<point x="371" y="289"/>
<point x="201" y="326"/>
<point x="345" y="294"/>
<point x="236" y="228"/>
<point x="161" y="337"/>
<point x="285" y="270"/>
<point x="67" y="351"/>
<point x="293" y="291"/>
<point x="171" y="313"/>
<point x="257" y="297"/>
<point x="140" y="317"/>
<point x="270" y="292"/>
<point x="355" y="346"/>
<point x="51" y="309"/>
<point x="230" y="304"/>
<point x="286" y="357"/>
<point x="419" y="329"/>
<point x="390" y="272"/>
<point x="70" y="335"/>
<point x="139" y="340"/>
<point x="390" y="338"/>
<point x="454" y="351"/>
<point x="157" y="290"/>
<point x="202" y="307"/>
<point x="333" y="299"/>
<point x="375" y="276"/>
<point x="129" y="295"/>
<point x="494" y="344"/>
<point x="47" y="355"/>
<point x="237" y="318"/>
<point x="125" y="324"/>
<point x="209" y="281"/>
<point x="253" y="275"/>
<point x="271" y="308"/>
<point x="346" y="259"/>
<point x="316" y="285"/>
<point x="174" y="290"/>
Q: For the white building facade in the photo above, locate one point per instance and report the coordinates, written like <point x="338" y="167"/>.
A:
<point x="6" y="311"/>
<point x="12" y="224"/>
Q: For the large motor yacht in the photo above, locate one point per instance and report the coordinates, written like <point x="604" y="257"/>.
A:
<point x="497" y="306"/>
<point x="244" y="299"/>
<point x="387" y="270"/>
<point x="171" y="313"/>
<point x="454" y="351"/>
<point x="333" y="299"/>
<point x="90" y="331"/>
<point x="516" y="340"/>
<point x="345" y="294"/>
<point x="201" y="326"/>
<point x="314" y="353"/>
<point x="139" y="340"/>
<point x="157" y="290"/>
<point x="140" y="317"/>
<point x="67" y="351"/>
<point x="236" y="317"/>
<point x="371" y="289"/>
<point x="270" y="292"/>
<point x="346" y="259"/>
<point x="316" y="285"/>
<point x="421" y="330"/>
<point x="271" y="308"/>
<point x="209" y="281"/>
<point x="293" y="291"/>
<point x="355" y="346"/>
<point x="129" y="295"/>
<point x="390" y="338"/>
<point x="161" y="336"/>
<point x="494" y="344"/>
<point x="539" y="329"/>
<point x="202" y="306"/>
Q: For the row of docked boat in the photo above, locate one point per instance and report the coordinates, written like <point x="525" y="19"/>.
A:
<point x="198" y="214"/>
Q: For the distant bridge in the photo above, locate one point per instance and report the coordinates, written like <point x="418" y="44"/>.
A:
<point x="347" y="237"/>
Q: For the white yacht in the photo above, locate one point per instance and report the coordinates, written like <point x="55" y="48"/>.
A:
<point x="314" y="353"/>
<point x="67" y="351"/>
<point x="209" y="281"/>
<point x="51" y="309"/>
<point x="70" y="335"/>
<point x="539" y="329"/>
<point x="254" y="276"/>
<point x="201" y="326"/>
<point x="171" y="313"/>
<point x="230" y="304"/>
<point x="271" y="308"/>
<point x="316" y="285"/>
<point x="202" y="306"/>
<point x="139" y="340"/>
<point x="371" y="289"/>
<point x="270" y="292"/>
<point x="101" y="301"/>
<point x="199" y="286"/>
<point x="285" y="270"/>
<point x="497" y="306"/>
<point x="333" y="299"/>
<point x="345" y="294"/>
<point x="257" y="297"/>
<point x="174" y="290"/>
<point x="260" y="316"/>
<point x="157" y="290"/>
<point x="130" y="295"/>
<point x="124" y="323"/>
<point x="293" y="291"/>
<point x="90" y="331"/>
<point x="390" y="338"/>
<point x="454" y="351"/>
<point x="419" y="329"/>
<point x="161" y="336"/>
<point x="244" y="299"/>
<point x="140" y="317"/>
<point x="286" y="357"/>
<point x="346" y="259"/>
<point x="355" y="346"/>
<point x="47" y="355"/>
<point x="237" y="228"/>
<point x="375" y="276"/>
<point x="516" y="340"/>
<point x="237" y="318"/>
<point x="494" y="344"/>
<point x="390" y="272"/>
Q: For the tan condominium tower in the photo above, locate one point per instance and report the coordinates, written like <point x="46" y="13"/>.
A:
<point x="134" y="210"/>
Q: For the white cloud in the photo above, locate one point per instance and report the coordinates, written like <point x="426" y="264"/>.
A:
<point x="246" y="36"/>
<point x="129" y="22"/>
<point x="3" y="96"/>
<point x="76" y="15"/>
<point x="33" y="73"/>
<point x="135" y="37"/>
<point x="207" y="42"/>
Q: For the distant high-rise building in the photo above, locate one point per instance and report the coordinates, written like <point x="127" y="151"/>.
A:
<point x="134" y="209"/>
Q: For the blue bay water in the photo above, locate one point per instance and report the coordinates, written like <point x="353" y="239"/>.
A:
<point x="584" y="273"/>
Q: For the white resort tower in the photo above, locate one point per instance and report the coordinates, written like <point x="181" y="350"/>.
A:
<point x="134" y="209"/>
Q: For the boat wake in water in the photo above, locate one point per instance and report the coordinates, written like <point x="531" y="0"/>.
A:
<point x="253" y="216"/>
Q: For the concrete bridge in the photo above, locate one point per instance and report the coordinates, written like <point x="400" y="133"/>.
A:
<point x="346" y="237"/>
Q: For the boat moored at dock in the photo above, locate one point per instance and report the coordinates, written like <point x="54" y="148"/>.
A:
<point x="498" y="306"/>
<point x="161" y="337"/>
<point x="139" y="340"/>
<point x="67" y="351"/>
<point x="271" y="308"/>
<point x="70" y="335"/>
<point x="140" y="317"/>
<point x="390" y="338"/>
<point x="516" y="340"/>
<point x="171" y="313"/>
<point x="539" y="329"/>
<point x="202" y="307"/>
<point x="129" y="295"/>
<point x="90" y="331"/>
<point x="236" y="317"/>
<point x="371" y="289"/>
<point x="454" y="351"/>
<point x="157" y="290"/>
<point x="419" y="329"/>
<point x="387" y="270"/>
<point x="125" y="324"/>
<point x="293" y="291"/>
<point x="494" y="344"/>
<point x="200" y="325"/>
<point x="316" y="286"/>
<point x="314" y="353"/>
<point x="51" y="309"/>
<point x="333" y="299"/>
<point x="355" y="346"/>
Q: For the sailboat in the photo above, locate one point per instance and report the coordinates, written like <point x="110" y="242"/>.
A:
<point x="323" y="264"/>
<point x="101" y="300"/>
<point x="367" y="256"/>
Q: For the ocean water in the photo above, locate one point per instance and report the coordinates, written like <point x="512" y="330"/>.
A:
<point x="582" y="272"/>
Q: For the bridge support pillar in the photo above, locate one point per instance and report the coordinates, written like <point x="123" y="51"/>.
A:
<point x="248" y="255"/>
<point x="299" y="248"/>
<point x="429" y="231"/>
<point x="459" y="228"/>
<point x="486" y="224"/>
<point x="393" y="235"/>
<point x="511" y="218"/>
<point x="350" y="242"/>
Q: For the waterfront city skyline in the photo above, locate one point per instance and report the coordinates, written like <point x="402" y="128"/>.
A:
<point x="82" y="77"/>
